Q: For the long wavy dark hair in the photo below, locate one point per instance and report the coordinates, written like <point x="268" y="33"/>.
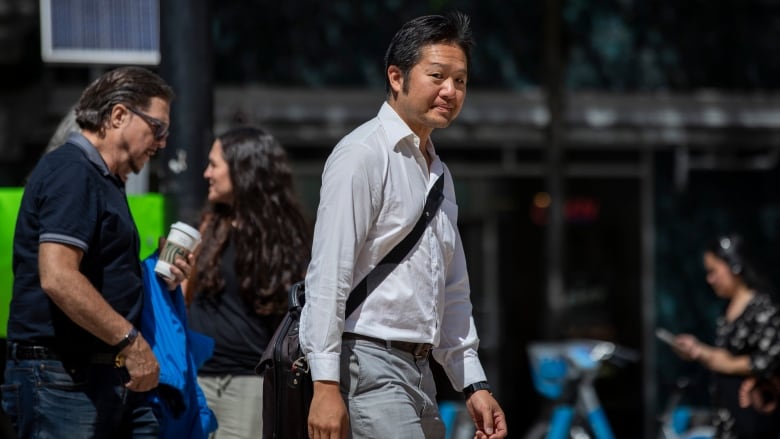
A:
<point x="266" y="222"/>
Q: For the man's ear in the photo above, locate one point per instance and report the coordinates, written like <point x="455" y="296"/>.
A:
<point x="119" y="115"/>
<point x="396" y="78"/>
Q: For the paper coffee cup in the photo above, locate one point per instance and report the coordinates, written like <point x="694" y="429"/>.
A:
<point x="182" y="239"/>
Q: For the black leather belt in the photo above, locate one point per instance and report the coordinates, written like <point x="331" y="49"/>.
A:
<point x="27" y="352"/>
<point x="418" y="350"/>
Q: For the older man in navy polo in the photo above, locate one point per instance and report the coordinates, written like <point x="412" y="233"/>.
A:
<point x="77" y="366"/>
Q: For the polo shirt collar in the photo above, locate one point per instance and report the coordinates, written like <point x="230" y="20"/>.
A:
<point x="90" y="151"/>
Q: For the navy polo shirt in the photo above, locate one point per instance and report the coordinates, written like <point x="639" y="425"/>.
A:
<point x="71" y="198"/>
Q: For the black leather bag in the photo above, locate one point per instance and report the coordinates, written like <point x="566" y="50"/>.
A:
<point x="287" y="384"/>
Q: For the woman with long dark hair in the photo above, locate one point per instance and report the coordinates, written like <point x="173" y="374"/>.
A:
<point x="255" y="244"/>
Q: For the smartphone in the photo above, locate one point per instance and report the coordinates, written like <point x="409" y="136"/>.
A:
<point x="665" y="336"/>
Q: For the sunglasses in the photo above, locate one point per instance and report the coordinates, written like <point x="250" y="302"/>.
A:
<point x="159" y="128"/>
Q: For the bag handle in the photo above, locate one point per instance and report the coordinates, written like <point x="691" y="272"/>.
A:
<point x="391" y="260"/>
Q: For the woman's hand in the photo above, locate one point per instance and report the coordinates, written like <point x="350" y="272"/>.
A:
<point x="762" y="395"/>
<point x="181" y="269"/>
<point x="688" y="347"/>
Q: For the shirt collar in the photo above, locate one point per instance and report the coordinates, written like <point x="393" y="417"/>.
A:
<point x="90" y="151"/>
<point x="92" y="154"/>
<point x="397" y="130"/>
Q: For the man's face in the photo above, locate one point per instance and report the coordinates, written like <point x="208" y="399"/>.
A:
<point x="433" y="94"/>
<point x="146" y="133"/>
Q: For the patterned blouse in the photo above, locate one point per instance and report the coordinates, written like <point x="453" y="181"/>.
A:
<point x="756" y="332"/>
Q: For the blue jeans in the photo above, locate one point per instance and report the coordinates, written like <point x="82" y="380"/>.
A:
<point x="45" y="399"/>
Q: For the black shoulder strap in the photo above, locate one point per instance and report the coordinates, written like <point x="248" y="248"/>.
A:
<point x="391" y="260"/>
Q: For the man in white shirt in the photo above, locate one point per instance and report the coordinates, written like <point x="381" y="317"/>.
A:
<point x="370" y="369"/>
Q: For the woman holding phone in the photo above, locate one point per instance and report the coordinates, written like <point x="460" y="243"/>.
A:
<point x="747" y="341"/>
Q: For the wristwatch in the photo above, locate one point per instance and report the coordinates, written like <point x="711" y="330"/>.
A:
<point x="479" y="385"/>
<point x="127" y="340"/>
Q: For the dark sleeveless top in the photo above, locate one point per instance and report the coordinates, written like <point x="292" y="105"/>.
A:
<point x="240" y="335"/>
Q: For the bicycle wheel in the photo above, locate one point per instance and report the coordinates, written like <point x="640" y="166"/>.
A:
<point x="537" y="431"/>
<point x="540" y="428"/>
<point x="701" y="432"/>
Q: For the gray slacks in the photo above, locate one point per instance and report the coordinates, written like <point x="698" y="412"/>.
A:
<point x="237" y="402"/>
<point x="389" y="393"/>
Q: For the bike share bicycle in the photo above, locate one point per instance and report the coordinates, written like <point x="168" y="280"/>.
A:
<point x="684" y="421"/>
<point x="564" y="372"/>
<point x="680" y="420"/>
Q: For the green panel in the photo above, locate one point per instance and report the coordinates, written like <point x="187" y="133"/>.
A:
<point x="9" y="206"/>
<point x="149" y="215"/>
<point x="148" y="212"/>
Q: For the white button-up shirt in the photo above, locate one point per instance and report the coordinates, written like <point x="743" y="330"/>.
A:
<point x="374" y="187"/>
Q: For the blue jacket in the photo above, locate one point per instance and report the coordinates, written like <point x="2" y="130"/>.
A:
<point x="178" y="401"/>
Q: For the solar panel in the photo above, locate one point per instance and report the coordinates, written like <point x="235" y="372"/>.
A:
<point x="100" y="31"/>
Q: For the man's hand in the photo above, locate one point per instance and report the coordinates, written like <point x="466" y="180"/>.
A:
<point x="141" y="364"/>
<point x="487" y="415"/>
<point x="328" y="416"/>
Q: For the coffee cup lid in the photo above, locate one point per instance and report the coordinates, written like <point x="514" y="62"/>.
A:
<point x="186" y="228"/>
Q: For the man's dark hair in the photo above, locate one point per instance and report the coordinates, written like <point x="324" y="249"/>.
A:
<point x="134" y="86"/>
<point x="406" y="46"/>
